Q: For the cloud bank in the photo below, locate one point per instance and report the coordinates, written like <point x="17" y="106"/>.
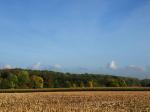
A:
<point x="112" y="65"/>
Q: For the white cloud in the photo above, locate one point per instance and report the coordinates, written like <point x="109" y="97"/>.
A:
<point x="7" y="66"/>
<point x="39" y="66"/>
<point x="135" y="68"/>
<point x="36" y="66"/>
<point x="56" y="66"/>
<point x="112" y="65"/>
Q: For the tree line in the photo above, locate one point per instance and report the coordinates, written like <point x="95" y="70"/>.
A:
<point x="29" y="79"/>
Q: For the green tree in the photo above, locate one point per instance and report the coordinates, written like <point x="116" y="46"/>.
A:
<point x="37" y="81"/>
<point x="12" y="81"/>
<point x="122" y="83"/>
<point x="56" y="84"/>
<point x="74" y="85"/>
<point x="90" y="83"/>
<point x="5" y="84"/>
<point x="112" y="83"/>
<point x="9" y="81"/>
<point x="145" y="82"/>
<point x="68" y="84"/>
<point x="82" y="85"/>
<point x="23" y="79"/>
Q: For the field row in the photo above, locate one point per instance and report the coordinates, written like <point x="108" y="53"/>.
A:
<point x="76" y="102"/>
<point x="75" y="89"/>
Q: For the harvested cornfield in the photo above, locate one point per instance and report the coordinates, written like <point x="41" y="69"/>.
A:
<point x="76" y="102"/>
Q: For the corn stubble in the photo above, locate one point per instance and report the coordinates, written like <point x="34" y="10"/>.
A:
<point x="75" y="102"/>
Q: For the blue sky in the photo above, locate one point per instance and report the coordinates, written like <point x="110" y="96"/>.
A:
<point x="75" y="33"/>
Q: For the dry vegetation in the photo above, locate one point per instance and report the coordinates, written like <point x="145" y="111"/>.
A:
<point x="75" y="102"/>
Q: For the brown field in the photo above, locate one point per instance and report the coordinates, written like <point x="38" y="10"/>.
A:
<point x="75" y="102"/>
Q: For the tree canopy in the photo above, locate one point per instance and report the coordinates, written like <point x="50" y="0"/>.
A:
<point x="24" y="78"/>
